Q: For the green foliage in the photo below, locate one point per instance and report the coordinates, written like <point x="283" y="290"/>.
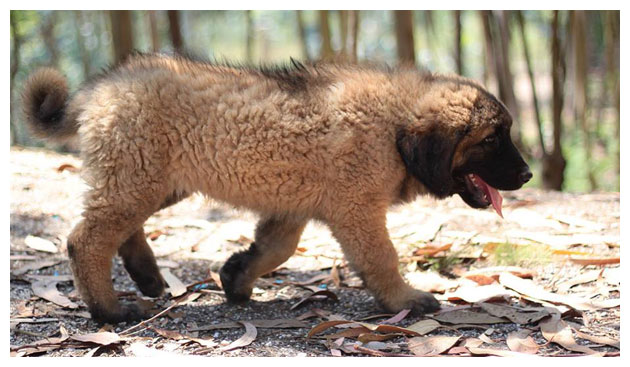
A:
<point x="509" y="254"/>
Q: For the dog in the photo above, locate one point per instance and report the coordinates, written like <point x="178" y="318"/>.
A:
<point x="338" y="144"/>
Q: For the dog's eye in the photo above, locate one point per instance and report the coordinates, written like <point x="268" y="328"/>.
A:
<point x="490" y="140"/>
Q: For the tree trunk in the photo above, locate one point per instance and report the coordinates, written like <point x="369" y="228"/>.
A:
<point x="122" y="34"/>
<point x="326" y="52"/>
<point x="175" y="30"/>
<point x="532" y="81"/>
<point x="249" y="30"/>
<point x="489" y="65"/>
<point x="48" y="35"/>
<point x="302" y="32"/>
<point x="581" y="97"/>
<point x="85" y="56"/>
<point x="354" y="34"/>
<point x="457" y="17"/>
<point x="611" y="41"/>
<point x="404" y="36"/>
<point x="554" y="163"/>
<point x="498" y="35"/>
<point x="153" y="29"/>
<point x="343" y="30"/>
<point x="15" y="65"/>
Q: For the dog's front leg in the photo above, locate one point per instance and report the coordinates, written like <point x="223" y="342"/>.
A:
<point x="363" y="236"/>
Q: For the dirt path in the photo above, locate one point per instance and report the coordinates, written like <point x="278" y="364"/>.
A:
<point x="541" y="232"/>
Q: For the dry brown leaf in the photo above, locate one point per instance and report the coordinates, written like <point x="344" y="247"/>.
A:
<point x="431" y="250"/>
<point x="40" y="244"/>
<point x="467" y="316"/>
<point x="426" y="346"/>
<point x="593" y="261"/>
<point x="516" y="315"/>
<point x="423" y="327"/>
<point x="326" y="325"/>
<point x="175" y="286"/>
<point x="475" y="294"/>
<point x="480" y="279"/>
<point x="34" y="265"/>
<point x="350" y="333"/>
<point x="217" y="279"/>
<point x="398" y="317"/>
<point x="370" y="337"/>
<point x="245" y="340"/>
<point x="496" y="271"/>
<point x="557" y="331"/>
<point x="67" y="167"/>
<point x="321" y="294"/>
<point x="101" y="338"/>
<point x="47" y="290"/>
<point x="472" y="342"/>
<point x="599" y="339"/>
<point x="430" y="282"/>
<point x="495" y="352"/>
<point x="533" y="291"/>
<point x="520" y="341"/>
<point x="587" y="277"/>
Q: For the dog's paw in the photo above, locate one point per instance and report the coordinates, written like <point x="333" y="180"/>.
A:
<point x="126" y="312"/>
<point x="151" y="286"/>
<point x="418" y="302"/>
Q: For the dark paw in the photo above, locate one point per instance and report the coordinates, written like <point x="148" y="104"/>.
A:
<point x="151" y="286"/>
<point x="424" y="303"/>
<point x="231" y="288"/>
<point x="232" y="274"/>
<point x="123" y="313"/>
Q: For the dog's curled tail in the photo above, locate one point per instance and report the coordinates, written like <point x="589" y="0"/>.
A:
<point x="45" y="104"/>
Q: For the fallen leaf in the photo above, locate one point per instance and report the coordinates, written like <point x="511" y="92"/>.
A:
<point x="431" y="250"/>
<point x="398" y="317"/>
<point x="520" y="341"/>
<point x="467" y="316"/>
<point x="595" y="261"/>
<point x="40" y="244"/>
<point x="245" y="340"/>
<point x="426" y="346"/>
<point x="430" y="282"/>
<point x="423" y="327"/>
<point x="472" y="342"/>
<point x="67" y="167"/>
<point x="516" y="315"/>
<point x="496" y="352"/>
<point x="48" y="291"/>
<point x="587" y="277"/>
<point x="496" y="271"/>
<point x="371" y="337"/>
<point x="326" y="325"/>
<point x="322" y="294"/>
<point x="481" y="279"/>
<point x="175" y="286"/>
<point x="599" y="339"/>
<point x="475" y="294"/>
<point x="35" y="265"/>
<point x="557" y="331"/>
<point x="102" y="338"/>
<point x="528" y="288"/>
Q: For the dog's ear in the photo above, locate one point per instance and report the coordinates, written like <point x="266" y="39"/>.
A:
<point x="428" y="156"/>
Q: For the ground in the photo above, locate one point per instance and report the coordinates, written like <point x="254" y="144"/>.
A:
<point x="566" y="247"/>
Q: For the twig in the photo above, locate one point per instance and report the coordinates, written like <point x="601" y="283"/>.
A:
<point x="177" y="302"/>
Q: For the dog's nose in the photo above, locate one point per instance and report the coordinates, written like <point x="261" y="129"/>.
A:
<point x="526" y="175"/>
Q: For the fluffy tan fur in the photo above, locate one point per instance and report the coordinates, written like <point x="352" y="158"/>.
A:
<point x="293" y="145"/>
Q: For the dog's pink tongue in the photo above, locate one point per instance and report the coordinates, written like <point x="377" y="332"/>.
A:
<point x="495" y="198"/>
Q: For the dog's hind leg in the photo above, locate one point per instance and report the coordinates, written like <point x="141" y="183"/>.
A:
<point x="140" y="263"/>
<point x="276" y="239"/>
<point x="139" y="260"/>
<point x="108" y="220"/>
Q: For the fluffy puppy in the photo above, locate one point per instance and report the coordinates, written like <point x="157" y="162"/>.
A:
<point x="339" y="144"/>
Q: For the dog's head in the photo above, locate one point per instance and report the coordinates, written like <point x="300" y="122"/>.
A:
<point x="460" y="144"/>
